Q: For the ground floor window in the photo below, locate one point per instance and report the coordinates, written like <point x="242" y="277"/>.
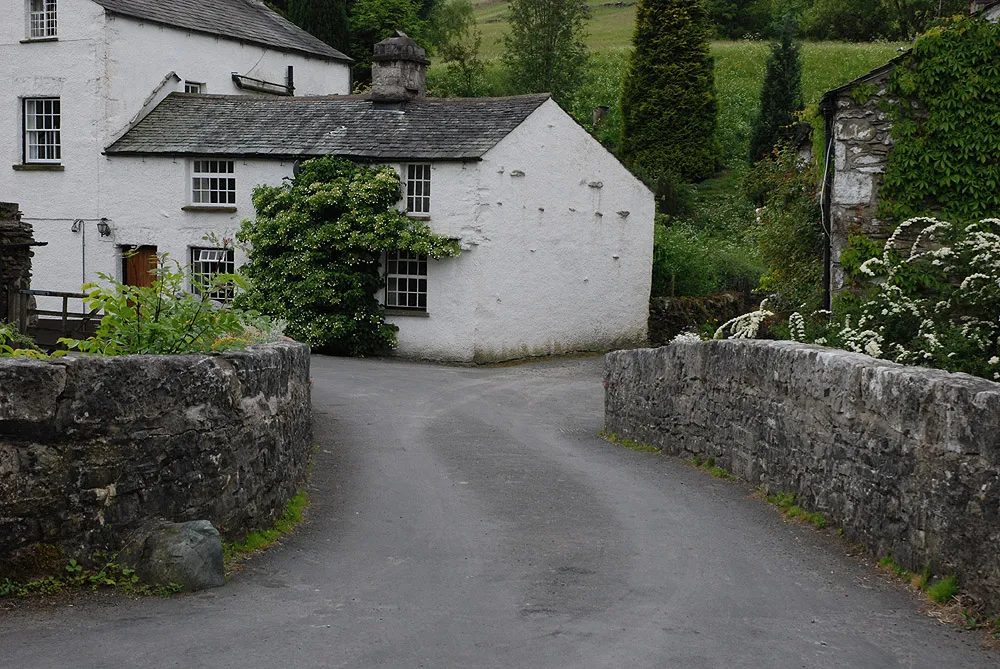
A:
<point x="206" y="263"/>
<point x="406" y="280"/>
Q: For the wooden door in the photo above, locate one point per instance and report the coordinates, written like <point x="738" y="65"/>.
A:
<point x="137" y="262"/>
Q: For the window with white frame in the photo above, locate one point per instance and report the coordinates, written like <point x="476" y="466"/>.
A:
<point x="213" y="182"/>
<point x="418" y="189"/>
<point x="42" y="139"/>
<point x="194" y="87"/>
<point x="406" y="281"/>
<point x="206" y="264"/>
<point x="42" y="19"/>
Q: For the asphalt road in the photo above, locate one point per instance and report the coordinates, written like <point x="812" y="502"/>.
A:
<point x="472" y="518"/>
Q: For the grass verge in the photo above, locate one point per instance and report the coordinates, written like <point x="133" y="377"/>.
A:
<point x="628" y="443"/>
<point x="258" y="540"/>
<point x="45" y="571"/>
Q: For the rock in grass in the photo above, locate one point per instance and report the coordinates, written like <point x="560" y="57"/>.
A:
<point x="186" y="554"/>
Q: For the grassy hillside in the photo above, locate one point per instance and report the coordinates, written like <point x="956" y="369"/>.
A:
<point x="610" y="26"/>
<point x="739" y="69"/>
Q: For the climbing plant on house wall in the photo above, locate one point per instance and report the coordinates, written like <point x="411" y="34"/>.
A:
<point x="945" y="97"/>
<point x="315" y="251"/>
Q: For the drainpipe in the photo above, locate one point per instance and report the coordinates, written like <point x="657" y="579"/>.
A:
<point x="827" y="106"/>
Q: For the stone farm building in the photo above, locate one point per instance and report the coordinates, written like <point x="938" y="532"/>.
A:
<point x="144" y="125"/>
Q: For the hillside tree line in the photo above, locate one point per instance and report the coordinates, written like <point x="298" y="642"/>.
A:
<point x="851" y="20"/>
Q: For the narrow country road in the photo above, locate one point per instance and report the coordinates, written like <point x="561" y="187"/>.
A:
<point x="472" y="518"/>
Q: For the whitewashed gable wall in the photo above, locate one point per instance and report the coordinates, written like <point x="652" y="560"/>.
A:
<point x="550" y="264"/>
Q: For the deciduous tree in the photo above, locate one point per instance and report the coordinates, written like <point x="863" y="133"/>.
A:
<point x="544" y="50"/>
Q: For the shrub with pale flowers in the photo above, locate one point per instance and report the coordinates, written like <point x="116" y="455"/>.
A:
<point x="932" y="300"/>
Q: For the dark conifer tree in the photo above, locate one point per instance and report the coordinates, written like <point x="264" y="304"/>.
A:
<point x="781" y="96"/>
<point x="326" y="19"/>
<point x="668" y="96"/>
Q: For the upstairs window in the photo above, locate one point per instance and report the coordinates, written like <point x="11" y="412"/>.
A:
<point x="42" y="130"/>
<point x="194" y="87"/>
<point x="406" y="281"/>
<point x="213" y="182"/>
<point x="418" y="190"/>
<point x="206" y="264"/>
<point x="41" y="19"/>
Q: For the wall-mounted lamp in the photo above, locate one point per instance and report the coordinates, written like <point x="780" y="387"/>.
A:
<point x="77" y="225"/>
<point x="104" y="227"/>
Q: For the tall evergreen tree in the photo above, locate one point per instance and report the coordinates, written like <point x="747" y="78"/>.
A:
<point x="326" y="19"/>
<point x="781" y="96"/>
<point x="668" y="96"/>
<point x="544" y="49"/>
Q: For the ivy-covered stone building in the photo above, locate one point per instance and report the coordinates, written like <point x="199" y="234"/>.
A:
<point x="860" y="140"/>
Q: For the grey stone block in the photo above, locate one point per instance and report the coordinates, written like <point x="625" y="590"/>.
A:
<point x="186" y="554"/>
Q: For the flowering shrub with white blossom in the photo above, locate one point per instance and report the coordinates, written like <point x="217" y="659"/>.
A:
<point x="931" y="300"/>
<point x="745" y="326"/>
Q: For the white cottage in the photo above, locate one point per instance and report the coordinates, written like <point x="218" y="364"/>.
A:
<point x="556" y="234"/>
<point x="79" y="73"/>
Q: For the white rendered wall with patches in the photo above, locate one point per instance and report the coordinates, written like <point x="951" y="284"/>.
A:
<point x="551" y="261"/>
<point x="151" y="212"/>
<point x="71" y="69"/>
<point x="102" y="68"/>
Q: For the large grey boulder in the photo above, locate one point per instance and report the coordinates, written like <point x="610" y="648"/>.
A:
<point x="187" y="554"/>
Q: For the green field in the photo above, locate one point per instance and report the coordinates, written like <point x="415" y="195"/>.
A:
<point x="610" y="27"/>
<point x="739" y="70"/>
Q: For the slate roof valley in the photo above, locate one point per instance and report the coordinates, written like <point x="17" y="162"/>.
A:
<point x="350" y="126"/>
<point x="247" y="20"/>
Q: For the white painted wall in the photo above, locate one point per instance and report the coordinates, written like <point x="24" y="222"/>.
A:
<point x="103" y="68"/>
<point x="550" y="266"/>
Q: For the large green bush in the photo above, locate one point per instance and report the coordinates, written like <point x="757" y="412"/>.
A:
<point x="668" y="95"/>
<point x="789" y="230"/>
<point x="315" y="251"/>
<point x="688" y="261"/>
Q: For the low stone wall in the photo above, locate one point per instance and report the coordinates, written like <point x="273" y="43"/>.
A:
<point x="670" y="316"/>
<point x="91" y="448"/>
<point x="906" y="460"/>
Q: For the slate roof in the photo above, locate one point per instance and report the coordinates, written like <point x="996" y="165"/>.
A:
<point x="827" y="100"/>
<point x="351" y="126"/>
<point x="246" y="20"/>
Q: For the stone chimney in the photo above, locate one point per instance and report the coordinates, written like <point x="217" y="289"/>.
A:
<point x="399" y="70"/>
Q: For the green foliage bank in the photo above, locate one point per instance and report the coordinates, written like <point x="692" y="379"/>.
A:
<point x="316" y="249"/>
